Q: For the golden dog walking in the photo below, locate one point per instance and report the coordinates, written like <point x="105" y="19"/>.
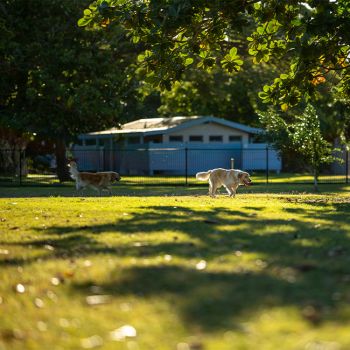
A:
<point x="229" y="178"/>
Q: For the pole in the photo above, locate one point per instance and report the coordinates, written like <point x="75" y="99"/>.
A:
<point x="186" y="166"/>
<point x="347" y="166"/>
<point x="20" y="167"/>
<point x="232" y="163"/>
<point x="267" y="165"/>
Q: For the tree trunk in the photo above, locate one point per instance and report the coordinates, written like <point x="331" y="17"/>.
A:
<point x="61" y="161"/>
<point x="315" y="180"/>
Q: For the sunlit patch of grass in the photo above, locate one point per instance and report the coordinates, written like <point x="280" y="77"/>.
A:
<point x="260" y="271"/>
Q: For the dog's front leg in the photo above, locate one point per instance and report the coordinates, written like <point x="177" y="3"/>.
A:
<point x="233" y="191"/>
<point x="109" y="190"/>
<point x="79" y="189"/>
<point x="211" y="191"/>
<point x="229" y="191"/>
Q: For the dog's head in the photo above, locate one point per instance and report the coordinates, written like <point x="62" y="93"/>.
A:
<point x="115" y="177"/>
<point x="244" y="178"/>
<point x="72" y="163"/>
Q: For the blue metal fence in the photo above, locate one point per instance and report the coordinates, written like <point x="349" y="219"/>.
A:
<point x="174" y="166"/>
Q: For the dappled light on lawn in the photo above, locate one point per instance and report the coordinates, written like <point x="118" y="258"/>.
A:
<point x="186" y="271"/>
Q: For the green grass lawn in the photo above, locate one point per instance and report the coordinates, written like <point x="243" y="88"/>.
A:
<point x="258" y="178"/>
<point x="269" y="269"/>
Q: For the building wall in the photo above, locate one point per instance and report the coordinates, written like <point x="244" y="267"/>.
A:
<point x="207" y="130"/>
<point x="175" y="159"/>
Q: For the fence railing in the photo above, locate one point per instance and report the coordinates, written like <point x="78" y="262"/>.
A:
<point x="163" y="166"/>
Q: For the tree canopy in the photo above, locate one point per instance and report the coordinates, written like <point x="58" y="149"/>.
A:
<point x="313" y="36"/>
<point x="57" y="79"/>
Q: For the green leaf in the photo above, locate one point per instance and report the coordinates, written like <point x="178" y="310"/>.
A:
<point x="263" y="95"/>
<point x="141" y="57"/>
<point x="252" y="52"/>
<point x="188" y="61"/>
<point x="260" y="30"/>
<point x="238" y="62"/>
<point x="233" y="52"/>
<point x="284" y="107"/>
<point x="82" y="22"/>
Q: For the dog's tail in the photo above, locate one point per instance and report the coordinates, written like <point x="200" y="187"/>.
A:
<point x="203" y="176"/>
<point x="73" y="169"/>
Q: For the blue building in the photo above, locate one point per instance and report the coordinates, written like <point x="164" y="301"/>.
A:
<point x="174" y="146"/>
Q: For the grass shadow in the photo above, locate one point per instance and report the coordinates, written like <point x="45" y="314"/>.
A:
<point x="306" y="267"/>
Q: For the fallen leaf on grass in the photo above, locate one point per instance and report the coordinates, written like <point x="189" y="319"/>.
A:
<point x="191" y="345"/>
<point x="38" y="303"/>
<point x="42" y="326"/>
<point x="51" y="295"/>
<point x="20" y="288"/>
<point x="55" y="281"/>
<point x="94" y="300"/>
<point x="69" y="273"/>
<point x="87" y="263"/>
<point x="123" y="332"/>
<point x="92" y="342"/>
<point x="201" y="265"/>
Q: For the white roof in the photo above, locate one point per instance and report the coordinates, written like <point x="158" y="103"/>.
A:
<point x="151" y="126"/>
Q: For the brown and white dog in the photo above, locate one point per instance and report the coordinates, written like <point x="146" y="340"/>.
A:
<point x="229" y="178"/>
<point x="99" y="181"/>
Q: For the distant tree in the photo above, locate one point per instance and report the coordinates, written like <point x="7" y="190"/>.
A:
<point x="301" y="134"/>
<point x="230" y="96"/>
<point x="59" y="80"/>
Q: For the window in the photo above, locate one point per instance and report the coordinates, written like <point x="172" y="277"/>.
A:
<point x="103" y="142"/>
<point x="175" y="138"/>
<point x="133" y="140"/>
<point x="196" y="138"/>
<point x="90" y="142"/>
<point x="256" y="139"/>
<point x="215" y="138"/>
<point x="235" y="138"/>
<point x="153" y="139"/>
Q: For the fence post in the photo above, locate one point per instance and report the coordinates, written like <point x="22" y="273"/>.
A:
<point x="232" y="163"/>
<point x="20" y="167"/>
<point x="347" y="166"/>
<point x="186" y="166"/>
<point x="267" y="165"/>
